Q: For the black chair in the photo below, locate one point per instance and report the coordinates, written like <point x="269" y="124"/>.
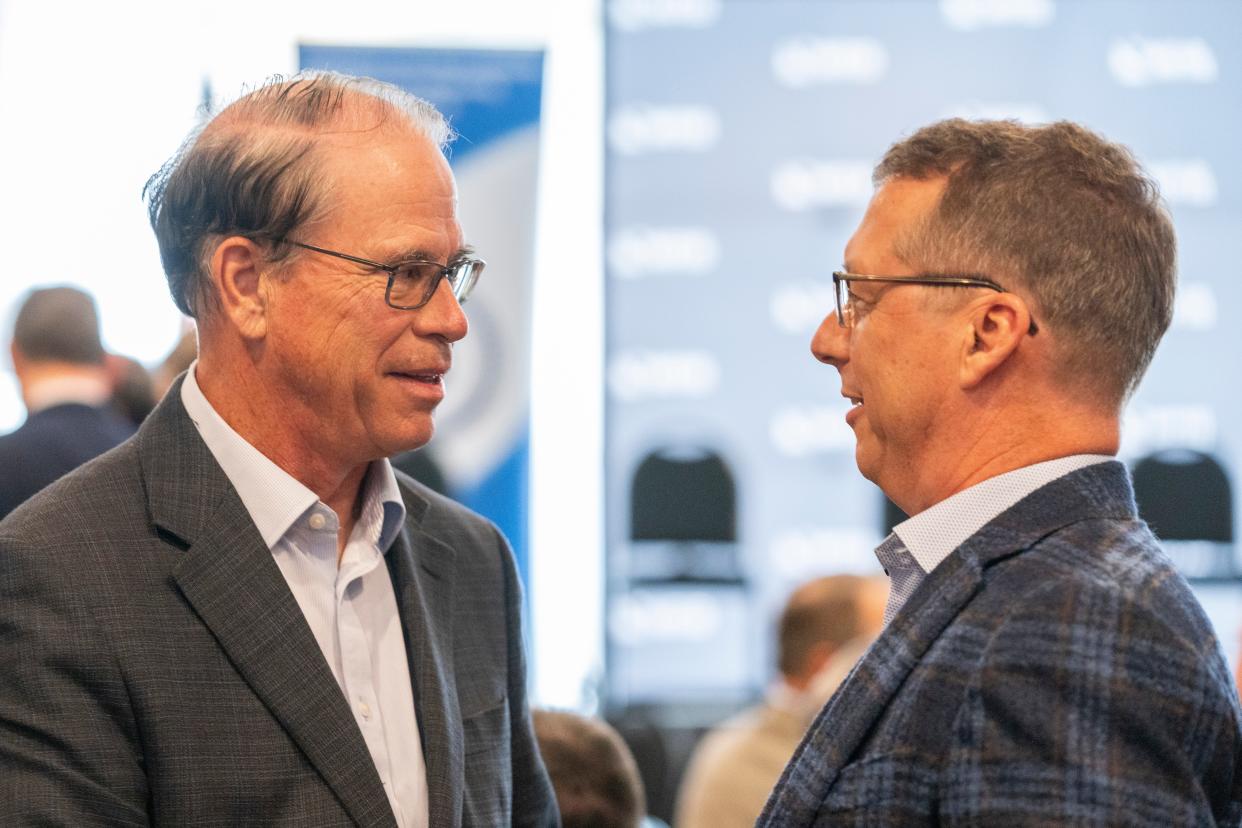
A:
<point x="683" y="519"/>
<point x="1186" y="498"/>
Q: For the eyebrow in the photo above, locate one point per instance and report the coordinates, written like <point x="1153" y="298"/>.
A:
<point x="422" y="255"/>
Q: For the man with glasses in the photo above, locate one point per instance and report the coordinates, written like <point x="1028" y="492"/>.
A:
<point x="1042" y="661"/>
<point x="243" y="615"/>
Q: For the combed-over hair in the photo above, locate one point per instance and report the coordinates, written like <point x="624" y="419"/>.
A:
<point x="253" y="169"/>
<point x="1062" y="216"/>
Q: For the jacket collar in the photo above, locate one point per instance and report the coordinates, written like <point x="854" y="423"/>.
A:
<point x="1098" y="491"/>
<point x="229" y="577"/>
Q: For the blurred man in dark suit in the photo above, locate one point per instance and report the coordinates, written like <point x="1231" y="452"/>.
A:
<point x="60" y="366"/>
<point x="1043" y="663"/>
<point x="244" y="616"/>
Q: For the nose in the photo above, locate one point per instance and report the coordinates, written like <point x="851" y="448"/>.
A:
<point x="831" y="342"/>
<point x="442" y="316"/>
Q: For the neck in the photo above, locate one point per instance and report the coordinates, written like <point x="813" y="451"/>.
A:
<point x="991" y="443"/>
<point x="45" y="384"/>
<point x="247" y="404"/>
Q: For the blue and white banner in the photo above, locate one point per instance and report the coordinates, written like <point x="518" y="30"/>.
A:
<point x="492" y="99"/>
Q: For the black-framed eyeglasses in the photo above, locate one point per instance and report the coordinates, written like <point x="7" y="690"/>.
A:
<point x="844" y="297"/>
<point x="411" y="284"/>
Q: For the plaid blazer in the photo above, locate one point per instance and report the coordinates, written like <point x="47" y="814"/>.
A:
<point x="1054" y="670"/>
<point x="156" y="669"/>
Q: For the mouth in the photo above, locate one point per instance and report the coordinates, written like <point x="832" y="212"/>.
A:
<point x="427" y="377"/>
<point x="856" y="406"/>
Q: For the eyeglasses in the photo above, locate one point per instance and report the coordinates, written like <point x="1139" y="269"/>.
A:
<point x="845" y="297"/>
<point x="411" y="284"/>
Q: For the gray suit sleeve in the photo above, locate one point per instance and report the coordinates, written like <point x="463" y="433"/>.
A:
<point x="534" y="803"/>
<point x="69" y="752"/>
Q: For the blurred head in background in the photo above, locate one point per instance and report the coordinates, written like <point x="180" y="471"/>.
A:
<point x="826" y="625"/>
<point x="55" y="338"/>
<point x="593" y="772"/>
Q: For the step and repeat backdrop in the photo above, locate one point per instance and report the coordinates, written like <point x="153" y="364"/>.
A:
<point x="740" y="137"/>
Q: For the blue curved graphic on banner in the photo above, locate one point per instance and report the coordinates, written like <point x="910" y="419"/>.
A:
<point x="489" y="97"/>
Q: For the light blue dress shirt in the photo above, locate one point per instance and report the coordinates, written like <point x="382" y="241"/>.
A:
<point x="933" y="533"/>
<point x="351" y="607"/>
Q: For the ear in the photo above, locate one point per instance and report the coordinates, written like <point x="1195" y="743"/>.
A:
<point x="997" y="326"/>
<point x="236" y="269"/>
<point x="19" y="359"/>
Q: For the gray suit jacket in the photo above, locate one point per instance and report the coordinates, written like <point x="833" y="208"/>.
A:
<point x="155" y="668"/>
<point x="1054" y="670"/>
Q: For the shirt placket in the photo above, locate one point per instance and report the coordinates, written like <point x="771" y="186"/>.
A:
<point x="359" y="671"/>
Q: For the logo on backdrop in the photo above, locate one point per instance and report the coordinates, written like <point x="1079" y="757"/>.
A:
<point x="808" y="61"/>
<point x="1024" y="111"/>
<point x="1188" y="181"/>
<point x="969" y="15"/>
<point x="1142" y="61"/>
<point x="802" y="430"/>
<point x="805" y="183"/>
<point x="643" y="128"/>
<point x="798" y="309"/>
<point x="635" y="15"/>
<point x="634" y="252"/>
<point x="1194" y="309"/>
<point x="641" y="374"/>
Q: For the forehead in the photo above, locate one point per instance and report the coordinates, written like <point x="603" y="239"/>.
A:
<point x="391" y="185"/>
<point x="899" y="204"/>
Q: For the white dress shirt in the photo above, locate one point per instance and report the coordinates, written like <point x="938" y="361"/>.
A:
<point x="935" y="532"/>
<point x="351" y="607"/>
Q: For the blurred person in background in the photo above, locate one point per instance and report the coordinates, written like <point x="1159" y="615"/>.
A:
<point x="176" y="363"/>
<point x="244" y="615"/>
<point x="825" y="627"/>
<point x="1043" y="663"/>
<point x="133" y="391"/>
<point x="60" y="366"/>
<point x="592" y="770"/>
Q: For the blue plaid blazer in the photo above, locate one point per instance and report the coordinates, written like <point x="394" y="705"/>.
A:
<point x="1054" y="670"/>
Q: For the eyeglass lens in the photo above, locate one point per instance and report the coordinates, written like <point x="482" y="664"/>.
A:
<point x="414" y="283"/>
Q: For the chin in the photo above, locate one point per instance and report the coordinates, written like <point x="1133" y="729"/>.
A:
<point x="408" y="438"/>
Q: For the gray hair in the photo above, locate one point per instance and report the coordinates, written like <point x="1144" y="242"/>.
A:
<point x="253" y="170"/>
<point x="1065" y="217"/>
<point x="59" y="324"/>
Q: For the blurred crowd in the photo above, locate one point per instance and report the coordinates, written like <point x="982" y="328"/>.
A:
<point x="80" y="399"/>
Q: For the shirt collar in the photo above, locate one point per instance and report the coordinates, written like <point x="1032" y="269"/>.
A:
<point x="273" y="497"/>
<point x="934" y="533"/>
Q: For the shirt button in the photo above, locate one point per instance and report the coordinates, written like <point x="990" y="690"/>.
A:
<point x="317" y="521"/>
<point x="364" y="709"/>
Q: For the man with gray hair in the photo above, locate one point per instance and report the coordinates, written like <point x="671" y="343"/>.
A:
<point x="244" y="616"/>
<point x="1042" y="662"/>
<point x="59" y="363"/>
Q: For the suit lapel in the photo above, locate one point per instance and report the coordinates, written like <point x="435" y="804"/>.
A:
<point x="229" y="577"/>
<point x="422" y="570"/>
<point x="1101" y="490"/>
<point x="850" y="714"/>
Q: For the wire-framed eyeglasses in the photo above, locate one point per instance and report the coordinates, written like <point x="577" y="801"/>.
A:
<point x="412" y="283"/>
<point x="845" y="300"/>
